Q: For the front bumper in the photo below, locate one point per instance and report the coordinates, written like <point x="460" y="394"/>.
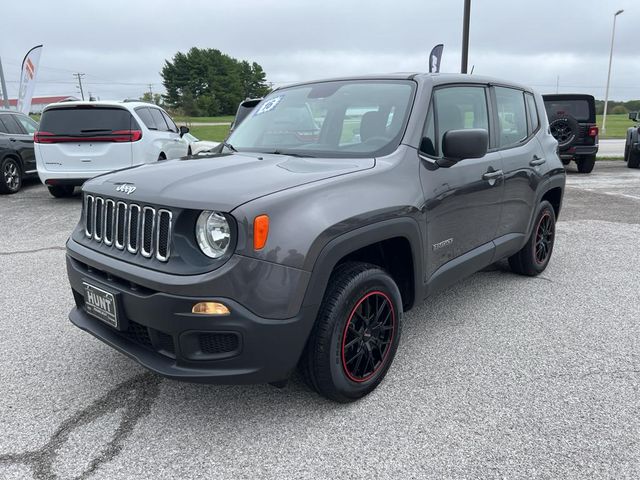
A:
<point x="160" y="332"/>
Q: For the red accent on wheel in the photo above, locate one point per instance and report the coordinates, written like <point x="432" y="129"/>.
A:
<point x="364" y="338"/>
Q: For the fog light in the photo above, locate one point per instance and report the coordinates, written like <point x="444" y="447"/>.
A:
<point x="210" y="308"/>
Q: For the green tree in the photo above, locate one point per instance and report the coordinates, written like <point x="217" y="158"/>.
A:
<point x="156" y="98"/>
<point x="209" y="82"/>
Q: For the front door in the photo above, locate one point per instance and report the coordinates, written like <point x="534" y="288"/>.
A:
<point x="463" y="202"/>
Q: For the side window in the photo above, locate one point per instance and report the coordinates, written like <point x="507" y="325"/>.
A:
<point x="532" y="111"/>
<point x="512" y="116"/>
<point x="458" y="108"/>
<point x="11" y="125"/>
<point x="3" y="128"/>
<point x="158" y="119"/>
<point x="29" y="125"/>
<point x="146" y="118"/>
<point x="428" y="142"/>
<point x="170" y="122"/>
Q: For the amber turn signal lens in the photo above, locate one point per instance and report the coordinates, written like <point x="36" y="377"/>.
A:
<point x="210" y="308"/>
<point x="260" y="231"/>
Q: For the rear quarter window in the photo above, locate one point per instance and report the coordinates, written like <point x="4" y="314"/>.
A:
<point x="86" y="120"/>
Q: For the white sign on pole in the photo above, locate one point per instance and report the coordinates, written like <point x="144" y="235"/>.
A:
<point x="28" y="79"/>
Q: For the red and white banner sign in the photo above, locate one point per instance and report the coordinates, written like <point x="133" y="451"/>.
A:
<point x="28" y="79"/>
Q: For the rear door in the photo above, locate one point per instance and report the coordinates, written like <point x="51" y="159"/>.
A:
<point x="29" y="127"/>
<point x="19" y="140"/>
<point x="87" y="138"/>
<point x="522" y="157"/>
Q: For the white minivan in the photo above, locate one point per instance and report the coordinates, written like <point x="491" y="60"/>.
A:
<point x="80" y="140"/>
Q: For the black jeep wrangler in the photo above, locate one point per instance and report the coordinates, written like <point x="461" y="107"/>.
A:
<point x="572" y="120"/>
<point x="333" y="208"/>
<point x="632" y="142"/>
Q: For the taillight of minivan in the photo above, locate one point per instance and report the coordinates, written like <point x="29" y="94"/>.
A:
<point x="115" y="136"/>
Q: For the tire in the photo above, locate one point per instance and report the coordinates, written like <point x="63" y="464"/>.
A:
<point x="586" y="163"/>
<point x="633" y="159"/>
<point x="332" y="361"/>
<point x="61" y="191"/>
<point x="626" y="153"/>
<point x="564" y="129"/>
<point x="565" y="161"/>
<point x="10" y="176"/>
<point x="531" y="259"/>
<point x="162" y="157"/>
<point x="189" y="152"/>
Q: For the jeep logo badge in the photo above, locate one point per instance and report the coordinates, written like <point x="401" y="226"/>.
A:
<point x="127" y="188"/>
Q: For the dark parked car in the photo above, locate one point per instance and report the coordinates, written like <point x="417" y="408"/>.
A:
<point x="292" y="248"/>
<point x="632" y="142"/>
<point x="17" y="159"/>
<point x="572" y="120"/>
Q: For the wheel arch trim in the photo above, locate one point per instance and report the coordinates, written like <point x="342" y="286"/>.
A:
<point x="349" y="242"/>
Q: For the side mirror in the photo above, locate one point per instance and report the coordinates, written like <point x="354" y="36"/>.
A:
<point x="183" y="130"/>
<point x="633" y="116"/>
<point x="459" y="145"/>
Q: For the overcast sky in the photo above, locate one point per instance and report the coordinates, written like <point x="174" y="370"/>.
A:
<point x="121" y="45"/>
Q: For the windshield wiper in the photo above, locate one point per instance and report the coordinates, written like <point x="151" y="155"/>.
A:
<point x="291" y="154"/>
<point x="229" y="146"/>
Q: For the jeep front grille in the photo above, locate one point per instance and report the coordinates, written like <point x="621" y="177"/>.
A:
<point x="130" y="227"/>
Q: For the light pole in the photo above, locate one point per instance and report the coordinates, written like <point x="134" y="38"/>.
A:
<point x="606" y="93"/>
<point x="465" y="36"/>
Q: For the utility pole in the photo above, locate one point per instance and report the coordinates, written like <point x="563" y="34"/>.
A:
<point x="3" y="85"/>
<point x="606" y="93"/>
<point x="79" y="77"/>
<point x="465" y="36"/>
<point x="557" y="84"/>
<point x="151" y="93"/>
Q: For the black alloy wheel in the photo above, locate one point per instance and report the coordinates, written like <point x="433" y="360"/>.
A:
<point x="368" y="336"/>
<point x="561" y="131"/>
<point x="356" y="334"/>
<point x="11" y="176"/>
<point x="533" y="258"/>
<point x="544" y="238"/>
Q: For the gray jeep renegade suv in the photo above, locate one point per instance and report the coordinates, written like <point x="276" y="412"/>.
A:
<point x="331" y="209"/>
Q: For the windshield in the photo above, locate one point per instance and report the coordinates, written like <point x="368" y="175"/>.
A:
<point x="331" y="119"/>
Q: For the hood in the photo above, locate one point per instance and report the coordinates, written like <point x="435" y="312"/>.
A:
<point x="221" y="182"/>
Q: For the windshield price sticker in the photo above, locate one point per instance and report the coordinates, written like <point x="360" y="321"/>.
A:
<point x="269" y="105"/>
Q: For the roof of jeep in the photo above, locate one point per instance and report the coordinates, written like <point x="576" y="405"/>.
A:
<point x="434" y="78"/>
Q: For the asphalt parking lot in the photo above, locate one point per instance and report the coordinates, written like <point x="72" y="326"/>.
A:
<point x="499" y="377"/>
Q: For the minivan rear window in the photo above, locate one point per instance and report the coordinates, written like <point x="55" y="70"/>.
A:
<point x="86" y="120"/>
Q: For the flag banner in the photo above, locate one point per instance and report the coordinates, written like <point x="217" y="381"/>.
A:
<point x="28" y="79"/>
<point x="434" y="58"/>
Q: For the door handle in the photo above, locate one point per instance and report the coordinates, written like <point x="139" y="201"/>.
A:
<point x="492" y="175"/>
<point x="12" y="139"/>
<point x="536" y="161"/>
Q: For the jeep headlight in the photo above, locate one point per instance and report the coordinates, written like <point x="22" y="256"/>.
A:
<point x="213" y="234"/>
